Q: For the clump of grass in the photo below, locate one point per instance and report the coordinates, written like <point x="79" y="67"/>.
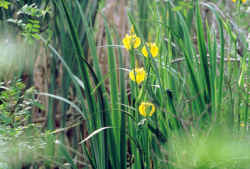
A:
<point x="209" y="149"/>
<point x="22" y="146"/>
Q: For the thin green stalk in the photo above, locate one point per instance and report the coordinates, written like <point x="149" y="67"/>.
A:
<point x="116" y="115"/>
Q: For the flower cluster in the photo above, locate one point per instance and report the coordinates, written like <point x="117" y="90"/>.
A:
<point x="138" y="75"/>
<point x="131" y="41"/>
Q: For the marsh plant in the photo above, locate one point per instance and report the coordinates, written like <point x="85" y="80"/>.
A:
<point x="22" y="143"/>
<point x="179" y="102"/>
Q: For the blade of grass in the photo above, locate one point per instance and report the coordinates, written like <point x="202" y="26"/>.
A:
<point x="116" y="115"/>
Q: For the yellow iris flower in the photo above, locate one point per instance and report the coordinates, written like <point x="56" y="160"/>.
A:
<point x="136" y="41"/>
<point x="154" y="50"/>
<point x="138" y="75"/>
<point x="131" y="40"/>
<point x="146" y="109"/>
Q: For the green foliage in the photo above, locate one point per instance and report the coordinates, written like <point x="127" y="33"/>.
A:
<point x="210" y="149"/>
<point x="33" y="11"/>
<point x="30" y="19"/>
<point x="196" y="77"/>
<point x="25" y="140"/>
<point x="4" y="4"/>
<point x="31" y="29"/>
<point x="16" y="104"/>
<point x="186" y="94"/>
<point x="17" y="134"/>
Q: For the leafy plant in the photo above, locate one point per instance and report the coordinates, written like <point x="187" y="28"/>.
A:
<point x="30" y="19"/>
<point x="5" y="4"/>
<point x="16" y="104"/>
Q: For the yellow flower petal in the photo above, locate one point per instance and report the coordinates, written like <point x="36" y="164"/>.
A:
<point x="136" y="41"/>
<point x="127" y="42"/>
<point x="144" y="51"/>
<point x="146" y="109"/>
<point x="138" y="75"/>
<point x="131" y="41"/>
<point x="243" y="1"/>
<point x="153" y="49"/>
<point x="234" y="1"/>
